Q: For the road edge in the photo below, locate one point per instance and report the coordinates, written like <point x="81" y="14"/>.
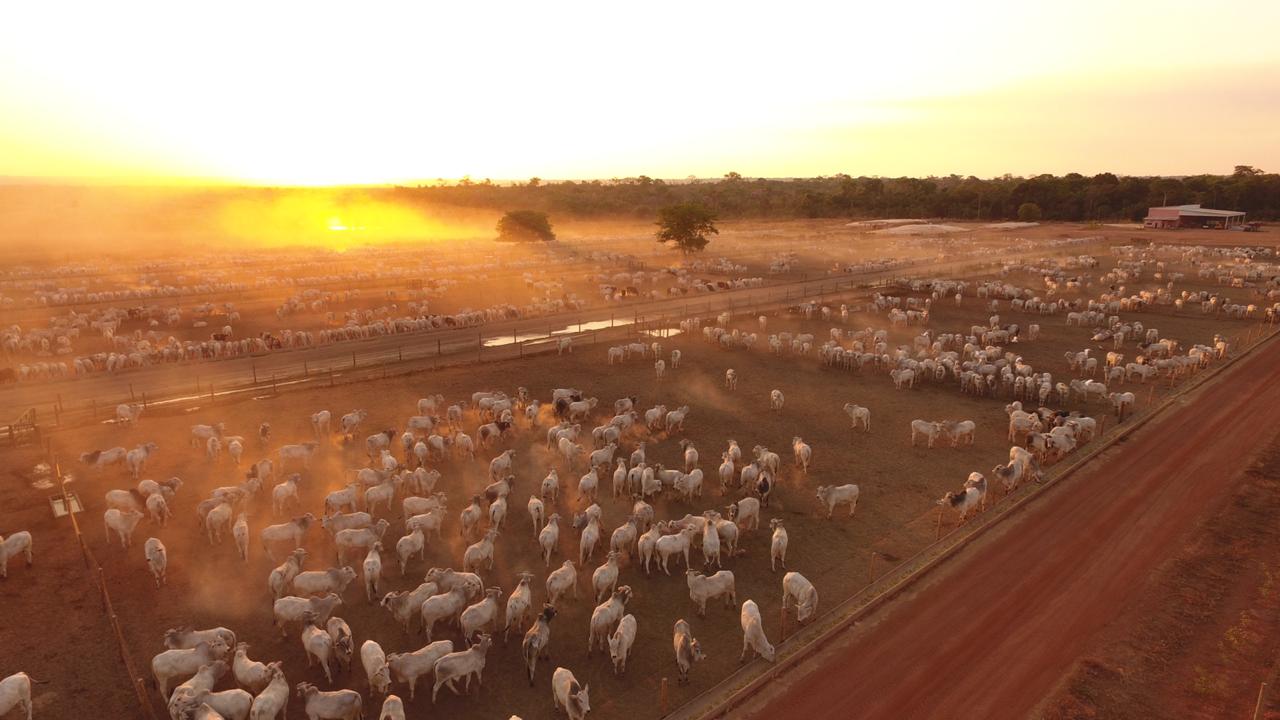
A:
<point x="737" y="689"/>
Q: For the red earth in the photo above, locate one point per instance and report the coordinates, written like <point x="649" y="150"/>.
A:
<point x="1000" y="626"/>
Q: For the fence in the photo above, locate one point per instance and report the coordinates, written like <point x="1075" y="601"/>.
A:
<point x="389" y="356"/>
<point x="721" y="699"/>
<point x="99" y="578"/>
<point x="799" y="288"/>
<point x="24" y="429"/>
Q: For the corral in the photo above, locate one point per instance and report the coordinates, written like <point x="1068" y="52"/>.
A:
<point x="899" y="483"/>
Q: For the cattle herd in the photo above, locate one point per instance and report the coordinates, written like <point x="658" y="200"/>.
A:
<point x="357" y="541"/>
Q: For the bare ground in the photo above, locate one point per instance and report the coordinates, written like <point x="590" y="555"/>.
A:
<point x="1205" y="634"/>
<point x="899" y="486"/>
<point x="993" y="632"/>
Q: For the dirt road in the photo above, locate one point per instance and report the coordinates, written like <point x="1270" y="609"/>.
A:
<point x="997" y="628"/>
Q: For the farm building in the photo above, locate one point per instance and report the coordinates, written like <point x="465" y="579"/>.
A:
<point x="1193" y="216"/>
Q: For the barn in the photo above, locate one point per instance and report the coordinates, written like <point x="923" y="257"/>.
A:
<point x="1191" y="216"/>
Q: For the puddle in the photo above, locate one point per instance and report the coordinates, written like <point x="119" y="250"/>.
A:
<point x="566" y="330"/>
<point x="664" y="332"/>
<point x="593" y="325"/>
<point x="513" y="339"/>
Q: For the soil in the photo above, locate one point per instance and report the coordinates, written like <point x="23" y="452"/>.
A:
<point x="1000" y="625"/>
<point x="211" y="586"/>
<point x="1205" y="635"/>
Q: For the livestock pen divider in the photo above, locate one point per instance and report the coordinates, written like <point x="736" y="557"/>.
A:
<point x="375" y="364"/>
<point x="763" y="299"/>
<point x="99" y="578"/>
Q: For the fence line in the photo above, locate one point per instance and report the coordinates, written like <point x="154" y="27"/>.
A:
<point x="881" y="277"/>
<point x="99" y="578"/>
<point x="480" y="349"/>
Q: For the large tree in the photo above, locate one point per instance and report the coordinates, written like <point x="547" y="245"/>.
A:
<point x="525" y="226"/>
<point x="687" y="225"/>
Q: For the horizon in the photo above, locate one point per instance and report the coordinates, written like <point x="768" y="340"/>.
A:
<point x="198" y="184"/>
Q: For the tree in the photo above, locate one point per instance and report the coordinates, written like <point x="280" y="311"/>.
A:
<point x="687" y="225"/>
<point x="1247" y="170"/>
<point x="1029" y="212"/>
<point x="525" y="226"/>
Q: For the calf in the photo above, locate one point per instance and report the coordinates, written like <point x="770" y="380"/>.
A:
<point x="336" y="705"/>
<point x="408" y="667"/>
<point x="620" y="643"/>
<point x="123" y="523"/>
<point x="157" y="559"/>
<point x="537" y="640"/>
<point x="15" y="694"/>
<point x="605" y="616"/>
<point x="797" y="590"/>
<point x="688" y="650"/>
<point x="11" y="547"/>
<point x="463" y="665"/>
<point x="930" y="431"/>
<point x="569" y="695"/>
<point x="374" y="662"/>
<point x="833" y="495"/>
<point x="753" y="637"/>
<point x="703" y="588"/>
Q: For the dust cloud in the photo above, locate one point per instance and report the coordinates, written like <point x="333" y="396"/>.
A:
<point x="83" y="223"/>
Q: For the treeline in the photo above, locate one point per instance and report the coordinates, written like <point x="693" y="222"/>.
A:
<point x="1071" y="197"/>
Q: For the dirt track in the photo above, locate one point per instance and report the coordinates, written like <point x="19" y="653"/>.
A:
<point x="993" y="632"/>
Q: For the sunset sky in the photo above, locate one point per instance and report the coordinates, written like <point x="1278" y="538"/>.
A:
<point x="333" y="93"/>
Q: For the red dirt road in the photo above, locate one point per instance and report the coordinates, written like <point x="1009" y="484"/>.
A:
<point x="998" y="626"/>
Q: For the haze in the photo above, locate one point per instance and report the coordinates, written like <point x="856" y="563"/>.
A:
<point x="307" y="94"/>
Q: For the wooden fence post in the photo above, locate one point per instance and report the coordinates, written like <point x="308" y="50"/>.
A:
<point x="662" y="697"/>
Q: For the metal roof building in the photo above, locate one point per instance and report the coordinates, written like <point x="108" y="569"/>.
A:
<point x="1176" y="216"/>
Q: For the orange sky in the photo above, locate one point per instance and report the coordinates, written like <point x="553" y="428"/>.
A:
<point x="330" y="93"/>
